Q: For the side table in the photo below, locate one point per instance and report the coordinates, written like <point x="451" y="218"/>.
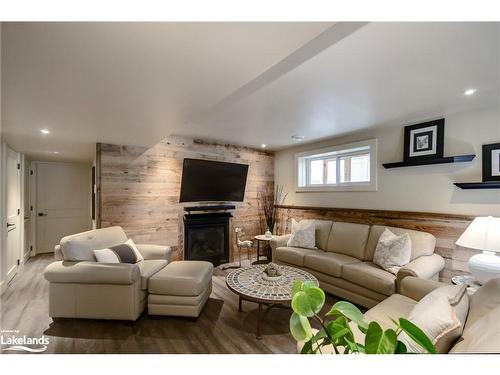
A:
<point x="262" y="238"/>
<point x="472" y="285"/>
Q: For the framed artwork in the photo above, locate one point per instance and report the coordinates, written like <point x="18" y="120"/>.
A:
<point x="491" y="162"/>
<point x="424" y="141"/>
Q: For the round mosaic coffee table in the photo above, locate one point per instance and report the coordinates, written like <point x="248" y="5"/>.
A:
<point x="251" y="284"/>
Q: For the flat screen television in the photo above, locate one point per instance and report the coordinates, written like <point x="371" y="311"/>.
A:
<point x="213" y="181"/>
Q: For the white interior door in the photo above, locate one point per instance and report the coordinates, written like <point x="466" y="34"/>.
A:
<point x="62" y="202"/>
<point x="13" y="191"/>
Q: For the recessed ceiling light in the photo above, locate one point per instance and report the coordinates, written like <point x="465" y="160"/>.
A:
<point x="469" y="92"/>
<point x="263" y="145"/>
<point x="297" y="138"/>
<point x="45" y="131"/>
<point x="55" y="152"/>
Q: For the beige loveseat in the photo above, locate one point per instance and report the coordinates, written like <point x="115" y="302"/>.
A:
<point x="80" y="287"/>
<point x="481" y="331"/>
<point x="343" y="262"/>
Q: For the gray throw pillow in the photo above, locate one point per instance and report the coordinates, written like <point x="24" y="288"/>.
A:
<point x="303" y="235"/>
<point x="392" y="252"/>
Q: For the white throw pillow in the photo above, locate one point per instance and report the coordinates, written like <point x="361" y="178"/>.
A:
<point x="303" y="235"/>
<point x="122" y="253"/>
<point x="136" y="250"/>
<point x="392" y="252"/>
<point x="441" y="314"/>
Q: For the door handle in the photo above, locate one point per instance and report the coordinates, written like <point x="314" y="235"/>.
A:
<point x="41" y="214"/>
<point x="10" y="225"/>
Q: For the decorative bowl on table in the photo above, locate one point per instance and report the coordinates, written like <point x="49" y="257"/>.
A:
<point x="272" y="272"/>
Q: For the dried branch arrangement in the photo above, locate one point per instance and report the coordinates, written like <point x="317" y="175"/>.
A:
<point x="268" y="201"/>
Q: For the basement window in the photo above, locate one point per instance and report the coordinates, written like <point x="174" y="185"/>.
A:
<point x="349" y="167"/>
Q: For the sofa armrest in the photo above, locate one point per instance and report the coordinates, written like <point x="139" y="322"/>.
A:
<point x="416" y="289"/>
<point x="278" y="241"/>
<point x="155" y="251"/>
<point x="92" y="273"/>
<point x="424" y="267"/>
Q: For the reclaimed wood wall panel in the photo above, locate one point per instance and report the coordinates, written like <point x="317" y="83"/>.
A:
<point x="446" y="228"/>
<point x="139" y="188"/>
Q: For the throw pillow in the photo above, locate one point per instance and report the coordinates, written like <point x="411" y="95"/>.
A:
<point x="303" y="235"/>
<point x="122" y="253"/>
<point x="392" y="252"/>
<point x="441" y="314"/>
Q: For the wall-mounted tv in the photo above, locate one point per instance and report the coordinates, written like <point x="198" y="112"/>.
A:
<point x="213" y="181"/>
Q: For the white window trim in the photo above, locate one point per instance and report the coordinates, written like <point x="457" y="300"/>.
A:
<point x="341" y="186"/>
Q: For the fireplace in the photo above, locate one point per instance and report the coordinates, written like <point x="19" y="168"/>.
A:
<point x="206" y="237"/>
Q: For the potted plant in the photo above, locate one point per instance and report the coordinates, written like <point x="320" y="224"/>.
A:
<point x="336" y="332"/>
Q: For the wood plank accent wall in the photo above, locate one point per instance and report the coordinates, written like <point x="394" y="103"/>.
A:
<point x="446" y="228"/>
<point x="139" y="188"/>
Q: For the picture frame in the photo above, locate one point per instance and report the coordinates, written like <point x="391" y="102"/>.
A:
<point x="424" y="141"/>
<point x="491" y="162"/>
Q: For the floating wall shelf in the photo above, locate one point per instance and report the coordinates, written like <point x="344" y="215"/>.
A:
<point x="414" y="163"/>
<point x="479" y="185"/>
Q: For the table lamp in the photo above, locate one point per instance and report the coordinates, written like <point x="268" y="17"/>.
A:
<point x="483" y="234"/>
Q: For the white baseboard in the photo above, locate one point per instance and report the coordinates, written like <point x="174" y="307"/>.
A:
<point x="26" y="257"/>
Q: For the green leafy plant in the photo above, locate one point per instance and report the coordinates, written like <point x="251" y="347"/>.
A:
<point x="336" y="332"/>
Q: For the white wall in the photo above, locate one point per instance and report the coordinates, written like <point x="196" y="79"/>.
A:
<point x="26" y="164"/>
<point x="2" y="234"/>
<point x="3" y="197"/>
<point x="423" y="188"/>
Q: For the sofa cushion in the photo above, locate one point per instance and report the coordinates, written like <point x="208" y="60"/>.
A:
<point x="370" y="276"/>
<point x="328" y="263"/>
<point x="182" y="278"/>
<point x="148" y="268"/>
<point x="123" y="253"/>
<point x="441" y="315"/>
<point x="482" y="337"/>
<point x="348" y="239"/>
<point x="322" y="229"/>
<point x="292" y="255"/>
<point x="486" y="299"/>
<point x="395" y="307"/>
<point x="81" y="246"/>
<point x="422" y="243"/>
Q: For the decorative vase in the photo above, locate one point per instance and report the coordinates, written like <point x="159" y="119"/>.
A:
<point x="271" y="273"/>
<point x="268" y="234"/>
<point x="484" y="267"/>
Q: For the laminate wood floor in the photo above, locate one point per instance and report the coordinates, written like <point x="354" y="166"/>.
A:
<point x="220" y="328"/>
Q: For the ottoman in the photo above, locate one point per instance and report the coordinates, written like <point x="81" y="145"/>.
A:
<point x="180" y="289"/>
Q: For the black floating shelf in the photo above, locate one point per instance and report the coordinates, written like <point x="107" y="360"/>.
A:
<point x="414" y="163"/>
<point x="479" y="185"/>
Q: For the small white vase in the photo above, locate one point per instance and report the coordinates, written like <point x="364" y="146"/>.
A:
<point x="268" y="234"/>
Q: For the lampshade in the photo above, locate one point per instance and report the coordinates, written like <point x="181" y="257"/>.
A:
<point x="482" y="234"/>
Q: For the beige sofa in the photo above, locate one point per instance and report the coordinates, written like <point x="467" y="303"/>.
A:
<point x="481" y="333"/>
<point x="80" y="287"/>
<point x="343" y="262"/>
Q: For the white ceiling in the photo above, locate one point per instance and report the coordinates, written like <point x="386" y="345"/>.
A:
<point x="127" y="83"/>
<point x="237" y="83"/>
<point x="382" y="74"/>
